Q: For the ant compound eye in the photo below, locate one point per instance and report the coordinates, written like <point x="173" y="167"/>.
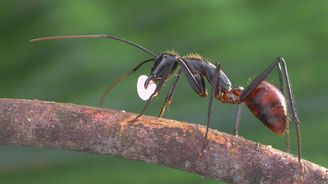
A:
<point x="145" y="93"/>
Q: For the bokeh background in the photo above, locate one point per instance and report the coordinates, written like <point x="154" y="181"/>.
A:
<point x="244" y="36"/>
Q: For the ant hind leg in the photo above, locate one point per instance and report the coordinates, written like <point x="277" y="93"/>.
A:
<point x="283" y="73"/>
<point x="237" y="122"/>
<point x="281" y="87"/>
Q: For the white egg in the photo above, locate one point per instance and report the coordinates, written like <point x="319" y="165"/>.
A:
<point x="145" y="93"/>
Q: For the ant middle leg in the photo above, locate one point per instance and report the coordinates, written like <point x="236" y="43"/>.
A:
<point x="215" y="90"/>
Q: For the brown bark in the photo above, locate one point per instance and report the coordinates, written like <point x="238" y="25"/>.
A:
<point x="154" y="140"/>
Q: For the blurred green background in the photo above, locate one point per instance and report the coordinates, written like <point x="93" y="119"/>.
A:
<point x="244" y="36"/>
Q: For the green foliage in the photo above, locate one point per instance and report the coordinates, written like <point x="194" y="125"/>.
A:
<point x="245" y="36"/>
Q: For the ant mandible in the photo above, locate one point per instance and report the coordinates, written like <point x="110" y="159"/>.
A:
<point x="265" y="101"/>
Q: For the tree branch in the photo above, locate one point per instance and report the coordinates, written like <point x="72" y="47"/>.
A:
<point x="154" y="140"/>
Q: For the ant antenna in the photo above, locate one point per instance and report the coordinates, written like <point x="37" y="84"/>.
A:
<point x="119" y="79"/>
<point x="95" y="36"/>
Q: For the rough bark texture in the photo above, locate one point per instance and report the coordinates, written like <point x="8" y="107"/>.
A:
<point x="155" y="140"/>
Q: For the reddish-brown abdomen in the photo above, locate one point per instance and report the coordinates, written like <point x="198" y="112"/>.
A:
<point x="269" y="105"/>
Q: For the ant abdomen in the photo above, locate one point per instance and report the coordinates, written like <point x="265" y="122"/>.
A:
<point x="268" y="104"/>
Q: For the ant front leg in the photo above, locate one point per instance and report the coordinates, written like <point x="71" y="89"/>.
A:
<point x="196" y="81"/>
<point x="158" y="88"/>
<point x="284" y="77"/>
<point x="169" y="95"/>
<point x="194" y="78"/>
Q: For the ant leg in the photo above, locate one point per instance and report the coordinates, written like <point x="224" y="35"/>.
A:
<point x="145" y="106"/>
<point x="237" y="122"/>
<point x="194" y="78"/>
<point x="292" y="108"/>
<point x="216" y="90"/>
<point x="281" y="82"/>
<point x="158" y="88"/>
<point x="291" y="100"/>
<point x="169" y="95"/>
<point x="196" y="81"/>
<point x="287" y="137"/>
<point x="281" y="87"/>
<point x="258" y="80"/>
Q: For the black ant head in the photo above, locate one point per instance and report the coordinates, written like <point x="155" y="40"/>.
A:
<point x="165" y="64"/>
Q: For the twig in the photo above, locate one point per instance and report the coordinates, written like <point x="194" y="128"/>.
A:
<point x="154" y="140"/>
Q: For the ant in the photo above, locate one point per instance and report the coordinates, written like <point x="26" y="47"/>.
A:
<point x="264" y="100"/>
